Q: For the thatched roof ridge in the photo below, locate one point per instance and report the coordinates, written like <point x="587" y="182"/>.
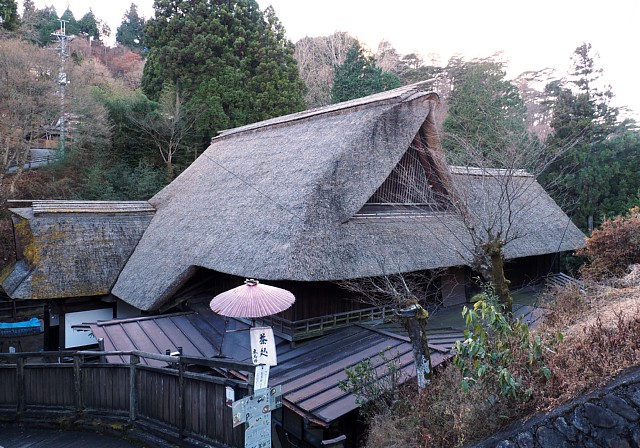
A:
<point x="400" y="94"/>
<point x="514" y="203"/>
<point x="485" y="172"/>
<point x="72" y="248"/>
<point x="57" y="206"/>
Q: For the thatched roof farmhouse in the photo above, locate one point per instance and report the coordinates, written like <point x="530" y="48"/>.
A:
<point x="300" y="198"/>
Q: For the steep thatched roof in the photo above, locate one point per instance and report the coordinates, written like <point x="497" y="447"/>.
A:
<point x="72" y="248"/>
<point x="283" y="199"/>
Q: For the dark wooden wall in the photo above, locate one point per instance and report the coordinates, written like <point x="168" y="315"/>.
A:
<point x="313" y="299"/>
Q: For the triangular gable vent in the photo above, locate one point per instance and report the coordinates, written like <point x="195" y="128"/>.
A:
<point x="412" y="186"/>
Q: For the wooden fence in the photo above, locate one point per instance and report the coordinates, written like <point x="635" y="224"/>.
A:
<point x="166" y="399"/>
<point x="316" y="326"/>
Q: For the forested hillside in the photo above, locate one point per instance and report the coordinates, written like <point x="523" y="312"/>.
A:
<point x="139" y="112"/>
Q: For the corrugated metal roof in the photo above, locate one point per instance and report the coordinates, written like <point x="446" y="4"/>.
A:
<point x="198" y="335"/>
<point x="309" y="373"/>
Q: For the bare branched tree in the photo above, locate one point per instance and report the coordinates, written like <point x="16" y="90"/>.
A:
<point x="169" y="126"/>
<point x="498" y="199"/>
<point x="28" y="101"/>
<point x="317" y="59"/>
<point x="488" y="204"/>
<point x="407" y="294"/>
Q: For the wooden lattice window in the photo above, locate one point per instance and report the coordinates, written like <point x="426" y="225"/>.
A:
<point x="407" y="184"/>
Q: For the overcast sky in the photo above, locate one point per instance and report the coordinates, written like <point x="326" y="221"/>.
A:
<point x="532" y="35"/>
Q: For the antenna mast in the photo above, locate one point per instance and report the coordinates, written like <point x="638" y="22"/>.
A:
<point x="62" y="37"/>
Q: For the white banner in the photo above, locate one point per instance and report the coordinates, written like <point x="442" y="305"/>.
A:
<point x="263" y="346"/>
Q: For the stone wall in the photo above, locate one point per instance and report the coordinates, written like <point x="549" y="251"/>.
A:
<point x="609" y="418"/>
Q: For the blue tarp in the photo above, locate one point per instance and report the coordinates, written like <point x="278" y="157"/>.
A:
<point x="27" y="327"/>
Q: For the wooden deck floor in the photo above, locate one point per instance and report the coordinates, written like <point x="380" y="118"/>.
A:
<point x="24" y="437"/>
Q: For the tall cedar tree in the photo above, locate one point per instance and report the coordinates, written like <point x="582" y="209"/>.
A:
<point x="228" y="60"/>
<point x="485" y="112"/>
<point x="88" y="25"/>
<point x="583" y="121"/>
<point x="39" y="24"/>
<point x="359" y="76"/>
<point x="71" y="27"/>
<point x="130" y="31"/>
<point x="9" y="15"/>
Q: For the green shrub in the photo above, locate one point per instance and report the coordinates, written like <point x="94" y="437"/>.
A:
<point x="374" y="382"/>
<point x="499" y="354"/>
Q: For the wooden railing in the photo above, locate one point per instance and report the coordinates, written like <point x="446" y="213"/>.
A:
<point x="316" y="326"/>
<point x="169" y="401"/>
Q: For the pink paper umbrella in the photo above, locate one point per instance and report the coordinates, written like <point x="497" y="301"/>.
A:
<point x="251" y="300"/>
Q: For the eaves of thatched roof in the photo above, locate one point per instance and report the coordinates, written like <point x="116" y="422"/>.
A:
<point x="279" y="200"/>
<point x="514" y="204"/>
<point x="72" y="248"/>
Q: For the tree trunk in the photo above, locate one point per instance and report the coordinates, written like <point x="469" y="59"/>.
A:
<point x="170" y="171"/>
<point x="499" y="282"/>
<point x="416" y="327"/>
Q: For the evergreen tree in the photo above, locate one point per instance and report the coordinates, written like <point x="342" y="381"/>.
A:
<point x="582" y="122"/>
<point x="71" y="27"/>
<point x="359" y="76"/>
<point x="9" y="19"/>
<point x="275" y="85"/>
<point x="227" y="57"/>
<point x="411" y="68"/>
<point x="29" y="7"/>
<point x="486" y="116"/>
<point x="130" y="31"/>
<point x="39" y="24"/>
<point x="88" y="25"/>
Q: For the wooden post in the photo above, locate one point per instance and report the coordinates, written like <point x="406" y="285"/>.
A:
<point x="101" y="348"/>
<point x="77" y="381"/>
<point x="133" y="390"/>
<point x="181" y="400"/>
<point x="21" y="390"/>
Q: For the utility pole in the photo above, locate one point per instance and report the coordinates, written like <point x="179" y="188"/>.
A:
<point x="62" y="37"/>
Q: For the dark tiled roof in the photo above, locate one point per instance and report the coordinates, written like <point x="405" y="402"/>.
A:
<point x="199" y="336"/>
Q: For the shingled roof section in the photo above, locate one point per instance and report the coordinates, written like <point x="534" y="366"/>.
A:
<point x="282" y="200"/>
<point x="72" y="248"/>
